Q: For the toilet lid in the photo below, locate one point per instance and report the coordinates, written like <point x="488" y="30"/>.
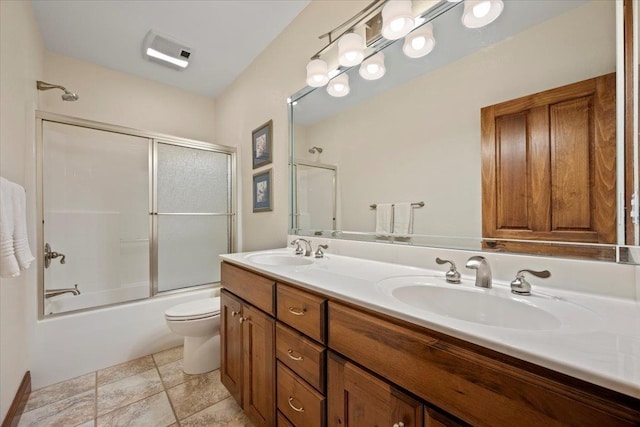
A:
<point x="194" y="309"/>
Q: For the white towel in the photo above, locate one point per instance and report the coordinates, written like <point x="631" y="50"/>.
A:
<point x="8" y="263"/>
<point x="15" y="254"/>
<point x="403" y="220"/>
<point x="20" y="238"/>
<point x="383" y="219"/>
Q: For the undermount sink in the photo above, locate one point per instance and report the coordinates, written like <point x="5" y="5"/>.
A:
<point x="493" y="307"/>
<point x="279" y="259"/>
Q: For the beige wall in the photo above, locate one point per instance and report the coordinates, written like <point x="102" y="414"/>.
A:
<point x="260" y="94"/>
<point x="421" y="141"/>
<point x="117" y="98"/>
<point x="21" y="63"/>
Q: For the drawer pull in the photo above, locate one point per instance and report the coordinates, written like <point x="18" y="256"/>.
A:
<point x="290" y="400"/>
<point x="291" y="356"/>
<point x="297" y="311"/>
<point x="400" y="424"/>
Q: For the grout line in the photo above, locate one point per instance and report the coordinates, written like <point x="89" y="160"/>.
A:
<point x="166" y="391"/>
<point x="95" y="403"/>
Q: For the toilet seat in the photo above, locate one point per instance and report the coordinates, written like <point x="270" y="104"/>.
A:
<point x="194" y="310"/>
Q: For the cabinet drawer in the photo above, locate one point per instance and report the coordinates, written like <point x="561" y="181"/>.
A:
<point x="251" y="287"/>
<point x="302" y="311"/>
<point x="283" y="421"/>
<point x="473" y="386"/>
<point x="301" y="355"/>
<point x="300" y="403"/>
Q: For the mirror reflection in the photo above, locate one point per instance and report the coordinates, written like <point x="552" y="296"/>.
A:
<point x="416" y="134"/>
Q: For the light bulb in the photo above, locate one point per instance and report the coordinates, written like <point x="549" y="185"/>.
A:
<point x="418" y="42"/>
<point x="317" y="78"/>
<point x="481" y="9"/>
<point x="373" y="68"/>
<point x="397" y="24"/>
<point x="339" y="87"/>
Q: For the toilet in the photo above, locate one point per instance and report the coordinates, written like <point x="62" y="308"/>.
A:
<point x="199" y="323"/>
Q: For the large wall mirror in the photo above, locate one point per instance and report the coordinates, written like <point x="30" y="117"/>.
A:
<point x="415" y="134"/>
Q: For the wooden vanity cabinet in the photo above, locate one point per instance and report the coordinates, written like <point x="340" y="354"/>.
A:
<point x="247" y="336"/>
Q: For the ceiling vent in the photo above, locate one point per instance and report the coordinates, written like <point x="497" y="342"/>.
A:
<point x="165" y="51"/>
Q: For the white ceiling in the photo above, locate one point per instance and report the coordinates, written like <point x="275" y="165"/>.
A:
<point x="225" y="35"/>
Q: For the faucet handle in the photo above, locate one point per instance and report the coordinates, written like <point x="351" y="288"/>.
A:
<point x="319" y="253"/>
<point x="520" y="286"/>
<point x="452" y="276"/>
<point x="299" y="250"/>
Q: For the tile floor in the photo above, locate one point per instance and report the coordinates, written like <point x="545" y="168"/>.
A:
<point x="147" y="392"/>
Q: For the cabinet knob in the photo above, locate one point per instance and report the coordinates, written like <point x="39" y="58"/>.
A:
<point x="234" y="313"/>
<point x="295" y="408"/>
<point x="292" y="356"/>
<point x="400" y="424"/>
<point x="296" y="311"/>
<point x="242" y="319"/>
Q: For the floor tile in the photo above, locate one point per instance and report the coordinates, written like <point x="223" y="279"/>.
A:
<point x="168" y="356"/>
<point x="123" y="370"/>
<point x="197" y="393"/>
<point x="59" y="391"/>
<point x="223" y="414"/>
<point x="152" y="411"/>
<point x="172" y="374"/>
<point x="71" y="411"/>
<point x="128" y="390"/>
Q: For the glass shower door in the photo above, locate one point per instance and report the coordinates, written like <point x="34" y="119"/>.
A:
<point x="193" y="214"/>
<point x="95" y="187"/>
<point x="315" y="196"/>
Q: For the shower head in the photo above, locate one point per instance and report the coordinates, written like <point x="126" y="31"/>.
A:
<point x="312" y="150"/>
<point x="66" y="96"/>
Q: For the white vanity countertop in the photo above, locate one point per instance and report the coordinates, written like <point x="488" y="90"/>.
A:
<point x="604" y="349"/>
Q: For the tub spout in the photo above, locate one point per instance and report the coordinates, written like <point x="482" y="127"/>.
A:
<point x="48" y="293"/>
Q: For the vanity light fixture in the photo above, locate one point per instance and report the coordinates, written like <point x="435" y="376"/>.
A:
<point x="317" y="73"/>
<point x="373" y="68"/>
<point x="478" y="13"/>
<point x="350" y="49"/>
<point x="419" y="42"/>
<point x="397" y="19"/>
<point x="339" y="86"/>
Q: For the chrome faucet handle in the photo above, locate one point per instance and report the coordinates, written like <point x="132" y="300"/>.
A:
<point x="319" y="253"/>
<point x="299" y="250"/>
<point x="49" y="255"/>
<point x="520" y="286"/>
<point x="452" y="276"/>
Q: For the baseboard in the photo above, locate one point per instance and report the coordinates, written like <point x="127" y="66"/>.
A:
<point x="19" y="402"/>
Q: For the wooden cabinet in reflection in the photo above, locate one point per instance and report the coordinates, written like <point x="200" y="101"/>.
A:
<point x="549" y="170"/>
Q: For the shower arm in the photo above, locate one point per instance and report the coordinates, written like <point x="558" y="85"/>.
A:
<point x="46" y="86"/>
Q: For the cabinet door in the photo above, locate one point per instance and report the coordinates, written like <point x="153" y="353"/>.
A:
<point x="258" y="335"/>
<point x="357" y="398"/>
<point x="231" y="344"/>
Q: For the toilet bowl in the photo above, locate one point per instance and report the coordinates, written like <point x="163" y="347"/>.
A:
<point x="199" y="323"/>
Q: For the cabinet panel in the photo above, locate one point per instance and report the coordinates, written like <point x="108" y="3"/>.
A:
<point x="511" y="140"/>
<point x="231" y="344"/>
<point x="477" y="388"/>
<point x="357" y="398"/>
<point x="259" y="366"/>
<point x="301" y="355"/>
<point x="251" y="287"/>
<point x="300" y="403"/>
<point x="302" y="310"/>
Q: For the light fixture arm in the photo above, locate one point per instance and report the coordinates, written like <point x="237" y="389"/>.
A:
<point x="359" y="17"/>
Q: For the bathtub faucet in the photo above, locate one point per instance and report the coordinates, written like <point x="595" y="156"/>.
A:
<point x="48" y="293"/>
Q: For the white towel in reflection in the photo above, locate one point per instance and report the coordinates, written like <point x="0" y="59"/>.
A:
<point x="15" y="254"/>
<point x="384" y="212"/>
<point x="403" y="220"/>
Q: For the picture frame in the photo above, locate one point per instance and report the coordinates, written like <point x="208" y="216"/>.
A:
<point x="262" y="192"/>
<point x="261" y="142"/>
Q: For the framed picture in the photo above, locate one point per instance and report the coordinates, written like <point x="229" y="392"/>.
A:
<point x="262" y="193"/>
<point x="261" y="142"/>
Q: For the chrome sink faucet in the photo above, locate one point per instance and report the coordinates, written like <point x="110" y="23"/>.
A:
<point x="299" y="250"/>
<point x="483" y="273"/>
